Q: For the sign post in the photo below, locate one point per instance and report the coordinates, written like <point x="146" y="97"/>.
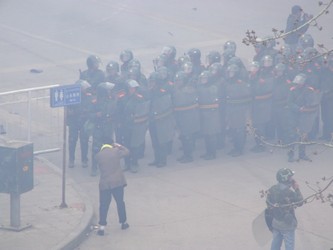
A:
<point x="63" y="96"/>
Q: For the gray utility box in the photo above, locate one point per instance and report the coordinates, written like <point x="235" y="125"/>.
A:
<point x="16" y="167"/>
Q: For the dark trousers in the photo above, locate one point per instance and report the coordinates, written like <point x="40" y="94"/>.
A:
<point x="161" y="150"/>
<point x="223" y="124"/>
<point x="327" y="117"/>
<point x="96" y="147"/>
<point x="105" y="197"/>
<point x="133" y="157"/>
<point x="260" y="132"/>
<point x="135" y="152"/>
<point x="315" y="129"/>
<point x="210" y="144"/>
<point x="120" y="134"/>
<point x="187" y="144"/>
<point x="279" y="123"/>
<point x="74" y="133"/>
<point x="127" y="134"/>
<point x="238" y="136"/>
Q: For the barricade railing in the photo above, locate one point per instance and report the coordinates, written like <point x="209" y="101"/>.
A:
<point x="26" y="115"/>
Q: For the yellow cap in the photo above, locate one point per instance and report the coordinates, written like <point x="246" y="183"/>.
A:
<point x="106" y="146"/>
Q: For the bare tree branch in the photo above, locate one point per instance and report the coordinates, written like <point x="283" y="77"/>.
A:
<point x="251" y="130"/>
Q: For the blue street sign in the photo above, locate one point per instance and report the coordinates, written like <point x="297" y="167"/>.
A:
<point x="65" y="95"/>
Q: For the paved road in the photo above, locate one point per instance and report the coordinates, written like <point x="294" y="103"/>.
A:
<point x="57" y="36"/>
<point x="209" y="204"/>
<point x="198" y="206"/>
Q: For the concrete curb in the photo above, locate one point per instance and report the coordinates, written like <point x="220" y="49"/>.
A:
<point x="75" y="237"/>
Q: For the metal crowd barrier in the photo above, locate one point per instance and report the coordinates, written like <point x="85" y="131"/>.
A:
<point x="26" y="115"/>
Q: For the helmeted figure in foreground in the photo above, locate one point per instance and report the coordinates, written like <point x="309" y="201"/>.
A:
<point x="281" y="202"/>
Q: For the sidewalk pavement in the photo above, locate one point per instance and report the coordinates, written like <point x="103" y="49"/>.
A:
<point x="202" y="205"/>
<point x="52" y="227"/>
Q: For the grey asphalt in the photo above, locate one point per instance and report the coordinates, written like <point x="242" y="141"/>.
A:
<point x="201" y="205"/>
<point x="211" y="204"/>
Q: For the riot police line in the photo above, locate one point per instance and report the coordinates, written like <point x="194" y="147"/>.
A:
<point x="284" y="96"/>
